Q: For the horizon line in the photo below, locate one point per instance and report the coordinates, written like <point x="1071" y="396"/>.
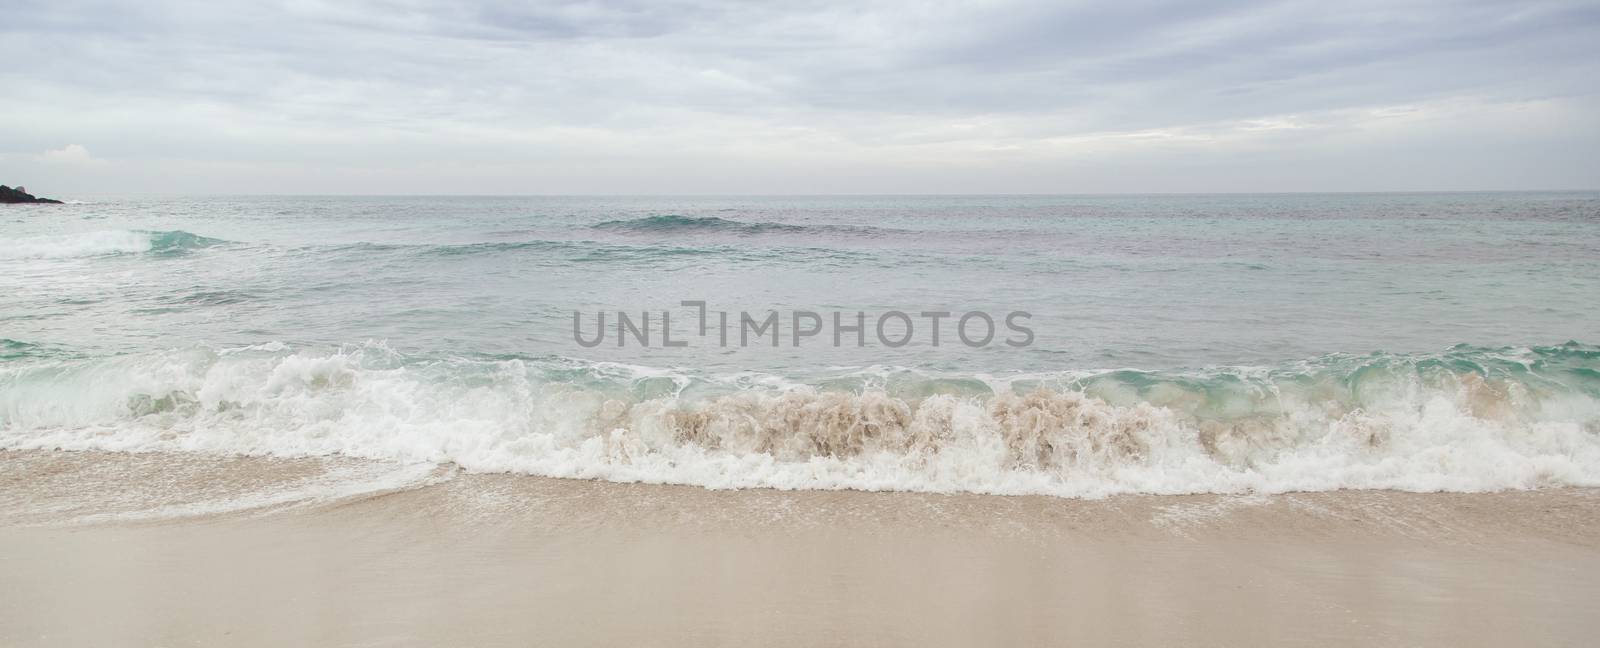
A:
<point x="845" y="195"/>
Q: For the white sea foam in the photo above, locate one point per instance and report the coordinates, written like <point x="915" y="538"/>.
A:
<point x="1400" y="430"/>
<point x="103" y="242"/>
<point x="79" y="244"/>
<point x="336" y="482"/>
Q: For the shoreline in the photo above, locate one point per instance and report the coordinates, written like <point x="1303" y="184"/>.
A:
<point x="490" y="559"/>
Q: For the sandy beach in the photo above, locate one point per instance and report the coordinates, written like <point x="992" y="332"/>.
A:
<point x="110" y="549"/>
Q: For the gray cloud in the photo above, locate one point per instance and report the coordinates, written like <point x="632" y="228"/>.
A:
<point x="806" y="96"/>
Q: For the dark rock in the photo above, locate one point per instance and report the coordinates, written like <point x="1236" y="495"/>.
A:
<point x="9" y="195"/>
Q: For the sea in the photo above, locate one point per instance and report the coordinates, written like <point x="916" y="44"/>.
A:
<point x="1070" y="346"/>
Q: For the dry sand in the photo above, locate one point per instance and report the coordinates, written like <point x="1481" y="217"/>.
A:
<point x="102" y="549"/>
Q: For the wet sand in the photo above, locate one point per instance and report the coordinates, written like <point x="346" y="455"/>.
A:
<point x="101" y="549"/>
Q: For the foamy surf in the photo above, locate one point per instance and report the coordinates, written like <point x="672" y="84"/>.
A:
<point x="101" y="243"/>
<point x="1465" y="420"/>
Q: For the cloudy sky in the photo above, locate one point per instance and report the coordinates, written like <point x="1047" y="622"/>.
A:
<point x="700" y="96"/>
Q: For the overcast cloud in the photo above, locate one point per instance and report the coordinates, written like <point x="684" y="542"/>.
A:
<point x="695" y="96"/>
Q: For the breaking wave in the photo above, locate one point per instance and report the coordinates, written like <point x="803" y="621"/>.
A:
<point x="1468" y="419"/>
<point x="104" y="242"/>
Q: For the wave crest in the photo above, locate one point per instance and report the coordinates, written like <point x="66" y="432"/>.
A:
<point x="105" y="242"/>
<point x="676" y="223"/>
<point x="673" y="223"/>
<point x="1466" y="420"/>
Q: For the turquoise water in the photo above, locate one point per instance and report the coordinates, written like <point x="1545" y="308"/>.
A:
<point x="1150" y="282"/>
<point x="1180" y="343"/>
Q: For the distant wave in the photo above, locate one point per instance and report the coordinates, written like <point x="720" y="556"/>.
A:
<point x="588" y="251"/>
<point x="178" y="242"/>
<point x="105" y="242"/>
<point x="670" y="223"/>
<point x="573" y="251"/>
<point x="676" y="223"/>
<point x="1468" y="419"/>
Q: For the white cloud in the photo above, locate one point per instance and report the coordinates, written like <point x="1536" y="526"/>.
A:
<point x="70" y="154"/>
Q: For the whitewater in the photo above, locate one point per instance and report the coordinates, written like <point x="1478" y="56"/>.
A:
<point x="1468" y="420"/>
